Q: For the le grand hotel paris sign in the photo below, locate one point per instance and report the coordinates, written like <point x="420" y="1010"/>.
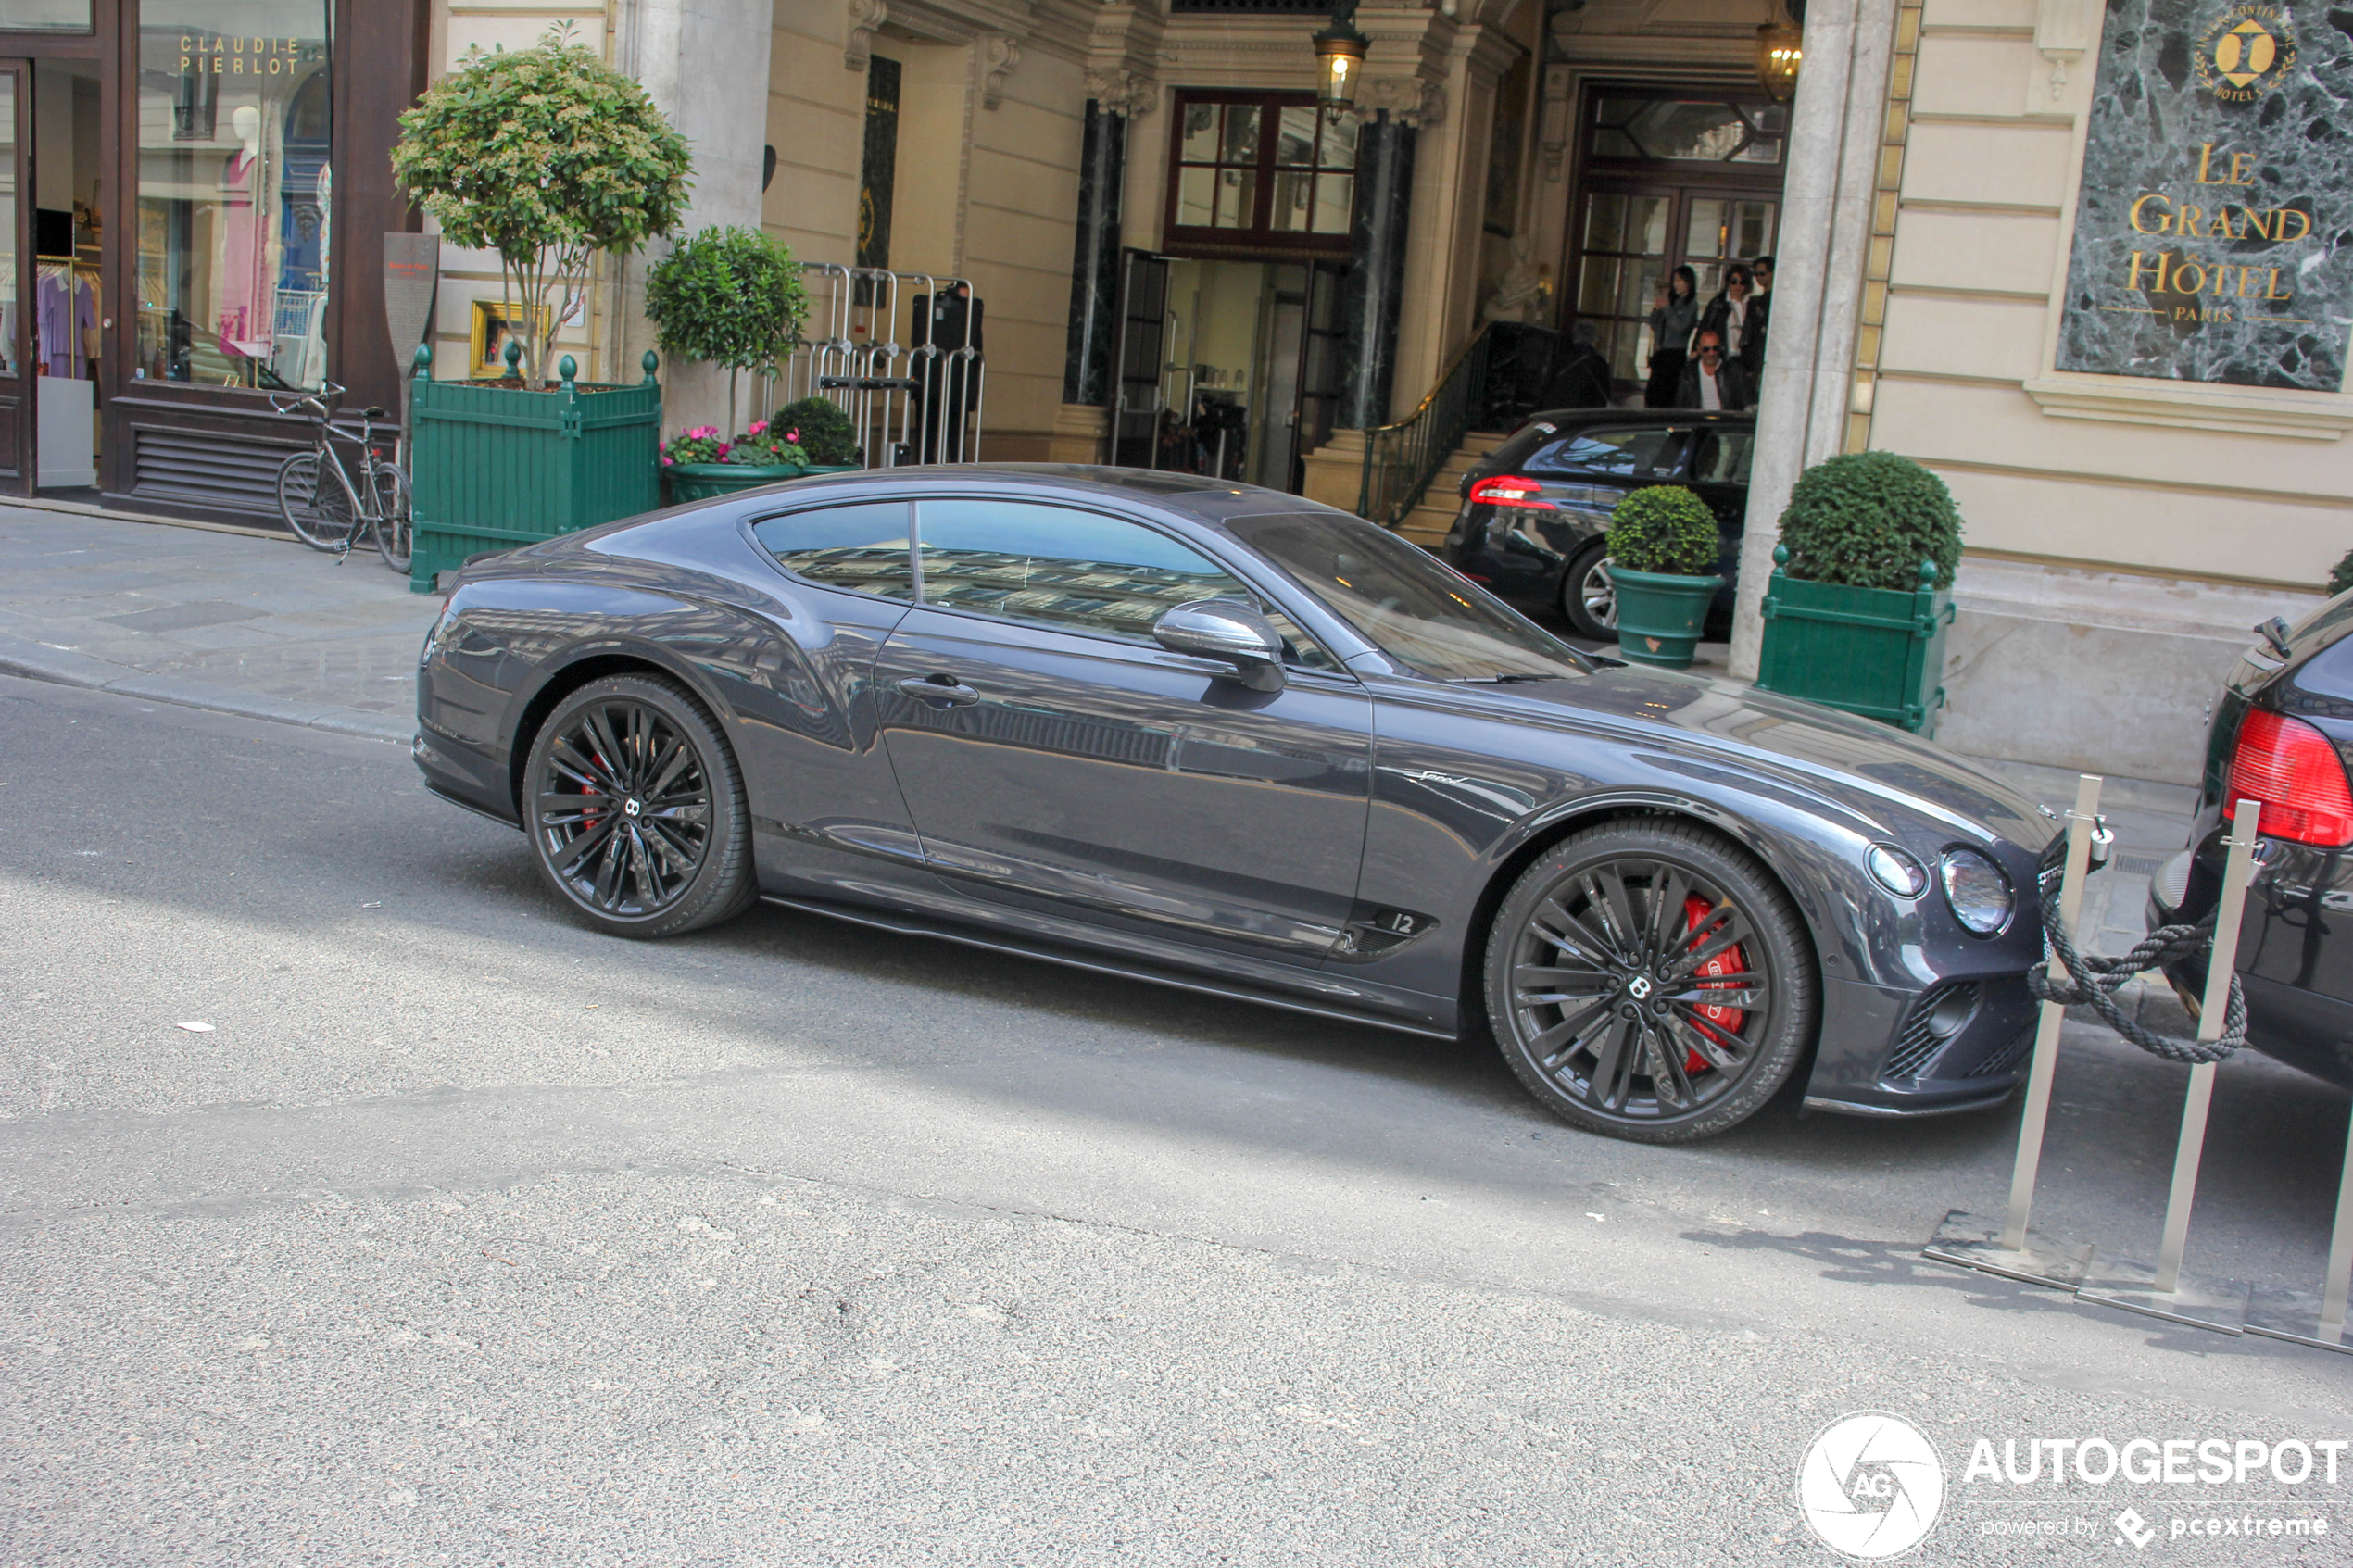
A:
<point x="2214" y="233"/>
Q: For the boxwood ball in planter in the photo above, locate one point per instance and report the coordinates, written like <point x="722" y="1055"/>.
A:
<point x="1663" y="543"/>
<point x="1861" y="595"/>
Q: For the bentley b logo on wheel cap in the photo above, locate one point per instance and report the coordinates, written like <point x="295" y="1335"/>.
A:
<point x="634" y="809"/>
<point x="1639" y="987"/>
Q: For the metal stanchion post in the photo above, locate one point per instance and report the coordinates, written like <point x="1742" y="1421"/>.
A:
<point x="2015" y="1250"/>
<point x="2166" y="1291"/>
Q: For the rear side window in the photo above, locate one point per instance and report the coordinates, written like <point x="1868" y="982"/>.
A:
<point x="1723" y="457"/>
<point x="1633" y="451"/>
<point x="863" y="547"/>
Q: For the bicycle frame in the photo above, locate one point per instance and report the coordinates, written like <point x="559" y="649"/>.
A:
<point x="365" y="503"/>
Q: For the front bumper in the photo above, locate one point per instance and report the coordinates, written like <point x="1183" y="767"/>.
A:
<point x="1962" y="1044"/>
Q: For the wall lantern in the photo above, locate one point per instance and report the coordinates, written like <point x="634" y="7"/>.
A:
<point x="1339" y="57"/>
<point x="1779" y="50"/>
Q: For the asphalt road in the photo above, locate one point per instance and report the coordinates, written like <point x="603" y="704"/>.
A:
<point x="466" y="1236"/>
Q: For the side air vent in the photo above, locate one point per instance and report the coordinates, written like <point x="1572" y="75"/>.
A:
<point x="1941" y="1013"/>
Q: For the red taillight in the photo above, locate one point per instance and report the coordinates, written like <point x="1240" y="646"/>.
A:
<point x="1510" y="490"/>
<point x="2293" y="769"/>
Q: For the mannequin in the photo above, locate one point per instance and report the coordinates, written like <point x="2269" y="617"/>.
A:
<point x="243" y="320"/>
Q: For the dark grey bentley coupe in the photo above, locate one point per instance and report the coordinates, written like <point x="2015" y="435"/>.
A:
<point x="1223" y="738"/>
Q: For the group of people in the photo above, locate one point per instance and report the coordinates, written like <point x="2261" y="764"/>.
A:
<point x="1710" y="355"/>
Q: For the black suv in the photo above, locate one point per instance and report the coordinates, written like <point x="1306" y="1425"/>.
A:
<point x="2283" y="735"/>
<point x="1536" y="510"/>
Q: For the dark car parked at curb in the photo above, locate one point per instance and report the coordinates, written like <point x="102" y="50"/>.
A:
<point x="2282" y="734"/>
<point x="1224" y="739"/>
<point x="1534" y="526"/>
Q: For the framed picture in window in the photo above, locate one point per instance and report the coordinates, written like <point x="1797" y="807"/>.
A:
<point x="494" y="321"/>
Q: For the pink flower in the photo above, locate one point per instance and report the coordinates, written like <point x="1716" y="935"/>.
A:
<point x="665" y="459"/>
<point x="793" y="436"/>
<point x="758" y="426"/>
<point x="723" y="449"/>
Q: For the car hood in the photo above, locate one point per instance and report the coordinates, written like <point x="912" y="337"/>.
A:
<point x="1866" y="766"/>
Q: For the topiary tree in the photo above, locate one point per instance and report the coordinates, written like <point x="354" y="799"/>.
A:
<point x="1665" y="528"/>
<point x="825" y="431"/>
<point x="546" y="156"/>
<point x="729" y="296"/>
<point x="2342" y="578"/>
<point x="1867" y="519"/>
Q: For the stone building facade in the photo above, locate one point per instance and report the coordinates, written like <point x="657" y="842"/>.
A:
<point x="2149" y="458"/>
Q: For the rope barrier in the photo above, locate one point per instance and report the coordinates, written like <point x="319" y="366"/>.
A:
<point x="2093" y="980"/>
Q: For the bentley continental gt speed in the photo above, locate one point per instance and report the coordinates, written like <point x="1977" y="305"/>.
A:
<point x="1222" y="738"/>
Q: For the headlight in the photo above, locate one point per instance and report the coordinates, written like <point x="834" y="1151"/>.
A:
<point x="1896" y="871"/>
<point x="1980" y="895"/>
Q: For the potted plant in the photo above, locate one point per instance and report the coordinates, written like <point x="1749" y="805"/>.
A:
<point x="730" y="297"/>
<point x="545" y="157"/>
<point x="699" y="465"/>
<point x="1861" y="593"/>
<point x="823" y="429"/>
<point x="1662" y="550"/>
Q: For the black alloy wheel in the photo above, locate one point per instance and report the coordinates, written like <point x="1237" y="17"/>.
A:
<point x="1588" y="597"/>
<point x="1647" y="978"/>
<point x="636" y="810"/>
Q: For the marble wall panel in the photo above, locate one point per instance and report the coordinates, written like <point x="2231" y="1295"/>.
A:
<point x="2236" y="114"/>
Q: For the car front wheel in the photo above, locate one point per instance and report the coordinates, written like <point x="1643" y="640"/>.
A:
<point x="636" y="810"/>
<point x="1588" y="597"/>
<point x="1647" y="978"/>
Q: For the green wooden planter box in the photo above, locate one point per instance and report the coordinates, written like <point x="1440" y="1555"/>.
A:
<point x="704" y="482"/>
<point x="1661" y="615"/>
<point x="1878" y="652"/>
<point x="496" y="467"/>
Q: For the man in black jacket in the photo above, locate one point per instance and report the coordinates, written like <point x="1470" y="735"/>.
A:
<point x="1710" y="381"/>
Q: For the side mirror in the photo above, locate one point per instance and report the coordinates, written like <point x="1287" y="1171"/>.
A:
<point x="1229" y="630"/>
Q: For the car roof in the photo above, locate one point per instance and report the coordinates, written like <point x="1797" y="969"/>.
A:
<point x="1566" y="419"/>
<point x="1205" y="500"/>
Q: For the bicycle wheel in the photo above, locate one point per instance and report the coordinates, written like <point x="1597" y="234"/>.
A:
<point x="396" y="529"/>
<point x="313" y="504"/>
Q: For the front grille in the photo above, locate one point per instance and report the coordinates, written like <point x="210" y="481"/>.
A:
<point x="1919" y="1041"/>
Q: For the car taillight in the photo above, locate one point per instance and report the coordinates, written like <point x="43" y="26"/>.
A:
<point x="2293" y="769"/>
<point x="1510" y="490"/>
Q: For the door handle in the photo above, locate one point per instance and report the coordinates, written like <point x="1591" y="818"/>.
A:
<point x="943" y="691"/>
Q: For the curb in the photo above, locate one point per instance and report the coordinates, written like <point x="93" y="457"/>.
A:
<point x="62" y="667"/>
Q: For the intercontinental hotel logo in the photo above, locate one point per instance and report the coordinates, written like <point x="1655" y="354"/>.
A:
<point x="2245" y="51"/>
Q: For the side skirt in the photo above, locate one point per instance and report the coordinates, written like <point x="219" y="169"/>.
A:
<point x="1097" y="964"/>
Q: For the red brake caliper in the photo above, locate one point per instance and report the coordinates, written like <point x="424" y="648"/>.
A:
<point x="1731" y="960"/>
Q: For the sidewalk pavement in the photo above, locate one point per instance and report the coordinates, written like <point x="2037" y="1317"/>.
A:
<point x="236" y="621"/>
<point x="263" y="626"/>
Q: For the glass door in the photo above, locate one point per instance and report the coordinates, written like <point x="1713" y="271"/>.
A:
<point x="1631" y="241"/>
<point x="15" y="374"/>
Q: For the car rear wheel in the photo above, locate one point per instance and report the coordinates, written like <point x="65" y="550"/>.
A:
<point x="1588" y="597"/>
<point x="636" y="810"/>
<point x="1647" y="978"/>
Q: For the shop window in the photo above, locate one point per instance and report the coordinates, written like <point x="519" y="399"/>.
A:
<point x="236" y="191"/>
<point x="46" y="15"/>
<point x="1261" y="172"/>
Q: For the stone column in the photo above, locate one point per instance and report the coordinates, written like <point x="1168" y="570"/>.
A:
<point x="1094" y="267"/>
<point x="1375" y="284"/>
<point x="705" y="65"/>
<point x="1818" y="279"/>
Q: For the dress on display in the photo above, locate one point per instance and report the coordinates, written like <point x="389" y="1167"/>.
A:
<point x="68" y="308"/>
<point x="244" y="324"/>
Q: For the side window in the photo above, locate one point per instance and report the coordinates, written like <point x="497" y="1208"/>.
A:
<point x="1070" y="570"/>
<point x="1724" y="457"/>
<point x="862" y="548"/>
<point x="1630" y="450"/>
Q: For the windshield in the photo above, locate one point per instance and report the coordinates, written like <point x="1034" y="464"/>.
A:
<point x="1404" y="602"/>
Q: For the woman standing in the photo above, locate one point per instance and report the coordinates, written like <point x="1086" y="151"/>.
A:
<point x="1674" y="315"/>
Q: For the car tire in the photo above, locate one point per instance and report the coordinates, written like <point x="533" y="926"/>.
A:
<point x="1606" y="1034"/>
<point x="1588" y="597"/>
<point x="636" y="810"/>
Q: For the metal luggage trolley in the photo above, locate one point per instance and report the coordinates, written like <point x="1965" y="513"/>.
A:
<point x="910" y="404"/>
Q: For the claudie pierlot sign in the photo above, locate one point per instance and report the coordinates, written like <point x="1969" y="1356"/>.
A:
<point x="2214" y="230"/>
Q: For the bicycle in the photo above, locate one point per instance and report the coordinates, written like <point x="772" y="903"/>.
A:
<point x="333" y="513"/>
